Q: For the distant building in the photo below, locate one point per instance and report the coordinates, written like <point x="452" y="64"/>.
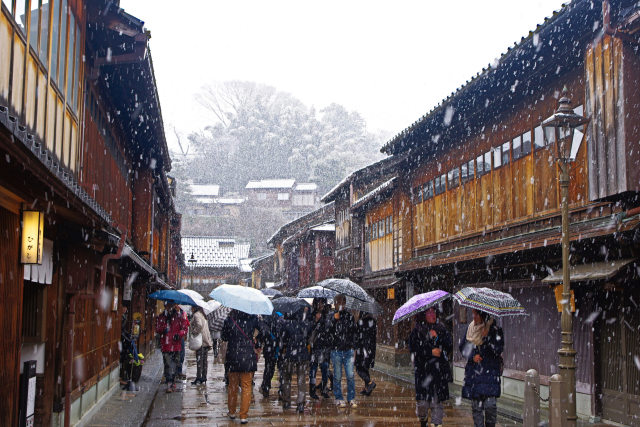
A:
<point x="217" y="260"/>
<point x="209" y="202"/>
<point x="293" y="199"/>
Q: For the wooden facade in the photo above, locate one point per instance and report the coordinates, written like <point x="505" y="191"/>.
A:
<point x="75" y="149"/>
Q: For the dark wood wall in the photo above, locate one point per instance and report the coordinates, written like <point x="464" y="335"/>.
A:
<point x="11" y="274"/>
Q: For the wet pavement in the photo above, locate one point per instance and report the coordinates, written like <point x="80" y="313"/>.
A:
<point x="392" y="403"/>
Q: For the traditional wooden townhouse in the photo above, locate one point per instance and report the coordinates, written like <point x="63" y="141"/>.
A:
<point x="304" y="250"/>
<point x="482" y="184"/>
<point x="87" y="218"/>
<point x="371" y="218"/>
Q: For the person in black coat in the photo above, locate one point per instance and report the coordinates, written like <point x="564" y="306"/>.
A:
<point x="296" y="330"/>
<point x="320" y="347"/>
<point x="431" y="346"/>
<point x="342" y="328"/>
<point x="241" y="358"/>
<point x="366" y="350"/>
<point x="270" y="334"/>
<point x="482" y="347"/>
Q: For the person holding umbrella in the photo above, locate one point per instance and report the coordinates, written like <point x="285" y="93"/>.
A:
<point x="172" y="326"/>
<point x="482" y="347"/>
<point x="241" y="358"/>
<point x="320" y="347"/>
<point x="430" y="345"/>
<point x="342" y="331"/>
<point x="270" y="326"/>
<point x="366" y="350"/>
<point x="199" y="325"/>
<point x="296" y="330"/>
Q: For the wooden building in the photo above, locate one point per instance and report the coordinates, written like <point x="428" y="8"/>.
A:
<point x="83" y="148"/>
<point x="370" y="216"/>
<point x="304" y="250"/>
<point x="481" y="186"/>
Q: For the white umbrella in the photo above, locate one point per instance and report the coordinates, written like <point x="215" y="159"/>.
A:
<point x="198" y="299"/>
<point x="243" y="298"/>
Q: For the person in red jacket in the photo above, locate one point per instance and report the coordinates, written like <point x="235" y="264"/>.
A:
<point x="172" y="326"/>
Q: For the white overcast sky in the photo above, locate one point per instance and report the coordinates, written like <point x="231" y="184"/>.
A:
<point x="391" y="61"/>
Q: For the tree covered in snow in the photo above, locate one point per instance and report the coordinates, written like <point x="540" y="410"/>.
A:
<point x="258" y="132"/>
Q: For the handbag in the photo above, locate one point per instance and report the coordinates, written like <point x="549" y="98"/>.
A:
<point x="195" y="342"/>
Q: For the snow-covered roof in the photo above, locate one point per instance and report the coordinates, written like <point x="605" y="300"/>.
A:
<point x="370" y="195"/>
<point x="307" y="186"/>
<point x="230" y="200"/>
<point x="214" y="251"/>
<point x="390" y="160"/>
<point x="245" y="265"/>
<point x="271" y="183"/>
<point x="205" y="200"/>
<point x="205" y="189"/>
<point x="324" y="227"/>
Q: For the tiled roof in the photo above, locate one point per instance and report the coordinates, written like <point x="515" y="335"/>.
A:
<point x="271" y="183"/>
<point x="214" y="251"/>
<point x="583" y="22"/>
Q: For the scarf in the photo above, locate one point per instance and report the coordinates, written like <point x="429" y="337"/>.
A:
<point x="474" y="332"/>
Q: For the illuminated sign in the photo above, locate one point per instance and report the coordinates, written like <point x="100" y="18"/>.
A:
<point x="32" y="237"/>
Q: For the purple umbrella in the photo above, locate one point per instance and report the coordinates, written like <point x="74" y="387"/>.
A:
<point x="419" y="303"/>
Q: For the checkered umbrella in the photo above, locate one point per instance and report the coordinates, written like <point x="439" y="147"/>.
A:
<point x="217" y="317"/>
<point x="490" y="301"/>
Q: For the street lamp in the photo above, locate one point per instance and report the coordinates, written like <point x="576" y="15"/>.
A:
<point x="563" y="123"/>
<point x="192" y="264"/>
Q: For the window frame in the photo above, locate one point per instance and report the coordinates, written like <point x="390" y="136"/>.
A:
<point x="506" y="155"/>
<point x="427" y="191"/>
<point x="453" y="178"/>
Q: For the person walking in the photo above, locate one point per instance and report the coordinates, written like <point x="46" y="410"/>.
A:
<point x="199" y="325"/>
<point x="342" y="331"/>
<point x="270" y="328"/>
<point x="172" y="326"/>
<point x="320" y="348"/>
<point x="366" y="350"/>
<point x="242" y="356"/>
<point x="482" y="347"/>
<point x="431" y="346"/>
<point x="296" y="330"/>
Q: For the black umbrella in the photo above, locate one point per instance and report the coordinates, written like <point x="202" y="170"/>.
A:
<point x="289" y="305"/>
<point x="348" y="288"/>
<point x="272" y="293"/>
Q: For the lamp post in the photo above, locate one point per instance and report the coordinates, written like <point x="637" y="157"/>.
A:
<point x="192" y="264"/>
<point x="563" y="123"/>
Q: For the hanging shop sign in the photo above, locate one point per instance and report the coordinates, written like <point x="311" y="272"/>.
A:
<point x="32" y="237"/>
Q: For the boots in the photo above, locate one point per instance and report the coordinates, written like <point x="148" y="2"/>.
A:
<point x="323" y="390"/>
<point x="423" y="422"/>
<point x="312" y="392"/>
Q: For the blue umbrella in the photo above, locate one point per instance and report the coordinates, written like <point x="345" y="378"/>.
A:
<point x="248" y="300"/>
<point x="173" y="296"/>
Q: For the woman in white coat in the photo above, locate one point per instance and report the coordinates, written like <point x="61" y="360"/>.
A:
<point x="199" y="325"/>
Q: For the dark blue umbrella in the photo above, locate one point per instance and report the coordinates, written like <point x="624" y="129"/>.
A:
<point x="289" y="305"/>
<point x="173" y="296"/>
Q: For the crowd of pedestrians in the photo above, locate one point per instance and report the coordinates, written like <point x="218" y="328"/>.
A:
<point x="300" y="343"/>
